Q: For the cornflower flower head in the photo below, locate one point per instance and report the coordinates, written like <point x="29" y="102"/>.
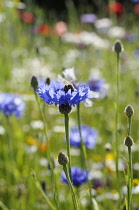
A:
<point x="69" y="74"/>
<point x="88" y="134"/>
<point x="79" y="176"/>
<point x="11" y="104"/>
<point x="63" y="95"/>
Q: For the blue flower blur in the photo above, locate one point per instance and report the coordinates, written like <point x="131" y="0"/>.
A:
<point x="78" y="176"/>
<point x="56" y="94"/>
<point x="99" y="86"/>
<point x="96" y="85"/>
<point x="88" y="18"/>
<point x="11" y="104"/>
<point x="88" y="134"/>
<point x="135" y="1"/>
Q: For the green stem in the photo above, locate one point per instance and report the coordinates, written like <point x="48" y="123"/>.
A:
<point x="55" y="189"/>
<point x="117" y="126"/>
<point x="129" y="126"/>
<point x="130" y="172"/>
<point x="130" y="178"/>
<point x="75" y="201"/>
<point x="68" y="142"/>
<point x="43" y="193"/>
<point x="2" y="205"/>
<point x="42" y="116"/>
<point x="11" y="149"/>
<point x="117" y="116"/>
<point x="83" y="152"/>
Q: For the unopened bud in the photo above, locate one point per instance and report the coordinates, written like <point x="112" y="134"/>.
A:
<point x="128" y="141"/>
<point x="34" y="82"/>
<point x="129" y="111"/>
<point x="62" y="159"/>
<point x="48" y="81"/>
<point x="118" y="47"/>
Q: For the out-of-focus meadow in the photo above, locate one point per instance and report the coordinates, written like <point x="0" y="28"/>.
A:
<point x="34" y="42"/>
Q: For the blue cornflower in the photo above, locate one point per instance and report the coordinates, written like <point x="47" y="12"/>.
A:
<point x="11" y="104"/>
<point x="96" y="85"/>
<point x="99" y="86"/>
<point x="88" y="134"/>
<point x="63" y="95"/>
<point x="78" y="176"/>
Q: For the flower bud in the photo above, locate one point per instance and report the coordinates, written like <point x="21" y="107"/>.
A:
<point x="48" y="81"/>
<point x="62" y="159"/>
<point x="128" y="141"/>
<point x="65" y="108"/>
<point x="129" y="111"/>
<point x="34" y="82"/>
<point x="118" y="47"/>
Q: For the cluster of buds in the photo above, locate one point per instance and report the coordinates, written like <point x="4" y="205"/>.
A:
<point x="129" y="112"/>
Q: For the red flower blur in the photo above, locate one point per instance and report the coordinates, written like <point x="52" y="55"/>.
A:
<point x="27" y="17"/>
<point x="44" y="29"/>
<point x="116" y="7"/>
<point x="136" y="9"/>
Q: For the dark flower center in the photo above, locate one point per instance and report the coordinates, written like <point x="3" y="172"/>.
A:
<point x="68" y="87"/>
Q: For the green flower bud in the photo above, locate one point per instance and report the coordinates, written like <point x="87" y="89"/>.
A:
<point x="65" y="108"/>
<point x="129" y="111"/>
<point x="62" y="159"/>
<point x="34" y="82"/>
<point x="118" y="47"/>
<point x="128" y="141"/>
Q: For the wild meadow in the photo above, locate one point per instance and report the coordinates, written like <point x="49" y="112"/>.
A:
<point x="69" y="110"/>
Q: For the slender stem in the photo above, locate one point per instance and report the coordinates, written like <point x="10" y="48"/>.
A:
<point x="42" y="192"/>
<point x="117" y="127"/>
<point x="129" y="126"/>
<point x="2" y="205"/>
<point x="42" y="116"/>
<point x="83" y="152"/>
<point x="117" y="116"/>
<point x="75" y="201"/>
<point x="68" y="142"/>
<point x="130" y="178"/>
<point x="130" y="172"/>
<point x="55" y="189"/>
<point x="11" y="148"/>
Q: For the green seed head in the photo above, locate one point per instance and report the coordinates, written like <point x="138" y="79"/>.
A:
<point x="118" y="47"/>
<point x="62" y="159"/>
<point x="128" y="141"/>
<point x="129" y="111"/>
